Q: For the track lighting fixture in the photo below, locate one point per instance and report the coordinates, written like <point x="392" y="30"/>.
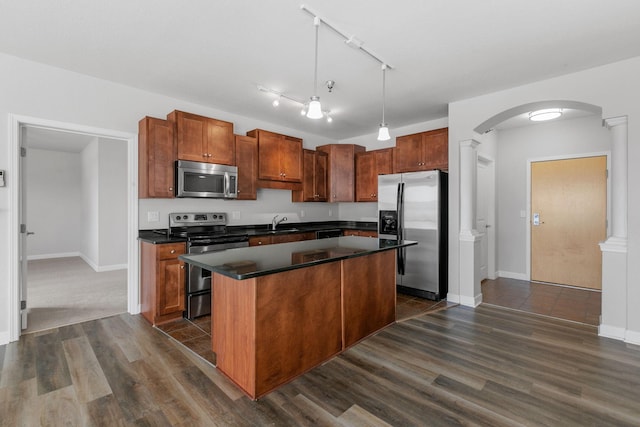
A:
<point x="315" y="109"/>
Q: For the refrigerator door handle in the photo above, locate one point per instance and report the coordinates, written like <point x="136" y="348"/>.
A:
<point x="400" y="226"/>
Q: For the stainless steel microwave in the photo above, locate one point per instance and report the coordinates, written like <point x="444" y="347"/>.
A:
<point x="196" y="179"/>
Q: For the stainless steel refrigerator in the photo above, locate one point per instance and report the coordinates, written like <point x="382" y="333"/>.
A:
<point x="413" y="206"/>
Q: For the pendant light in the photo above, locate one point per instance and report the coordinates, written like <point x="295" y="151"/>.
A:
<point x="383" y="132"/>
<point x="315" y="109"/>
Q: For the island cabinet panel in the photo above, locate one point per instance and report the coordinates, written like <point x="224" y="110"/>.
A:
<point x="203" y="139"/>
<point x="422" y="151"/>
<point x="265" y="333"/>
<point x="156" y="157"/>
<point x="368" y="295"/>
<point x="247" y="162"/>
<point x="233" y="329"/>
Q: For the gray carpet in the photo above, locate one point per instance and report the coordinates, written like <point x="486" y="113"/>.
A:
<point x="63" y="291"/>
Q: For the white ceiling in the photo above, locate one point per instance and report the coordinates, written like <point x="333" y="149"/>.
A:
<point x="215" y="52"/>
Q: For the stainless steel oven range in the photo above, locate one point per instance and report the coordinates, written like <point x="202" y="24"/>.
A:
<point x="205" y="232"/>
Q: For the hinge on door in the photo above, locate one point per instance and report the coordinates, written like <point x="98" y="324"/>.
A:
<point x="23" y="152"/>
<point x="23" y="305"/>
<point x="606" y="173"/>
<point x="23" y="228"/>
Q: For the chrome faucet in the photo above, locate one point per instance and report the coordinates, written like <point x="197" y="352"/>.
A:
<point x="275" y="221"/>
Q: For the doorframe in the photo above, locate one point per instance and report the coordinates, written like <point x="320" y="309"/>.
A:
<point x="528" y="211"/>
<point x="15" y="122"/>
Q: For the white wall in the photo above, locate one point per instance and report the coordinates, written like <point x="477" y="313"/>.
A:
<point x="90" y="208"/>
<point x="112" y="203"/>
<point x="615" y="88"/>
<point x="44" y="92"/>
<point x="516" y="146"/>
<point x="53" y="195"/>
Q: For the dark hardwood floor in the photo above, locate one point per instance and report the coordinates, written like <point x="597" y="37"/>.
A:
<point x="460" y="366"/>
<point x="564" y="302"/>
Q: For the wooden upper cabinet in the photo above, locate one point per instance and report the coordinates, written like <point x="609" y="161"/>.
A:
<point x="422" y="151"/>
<point x="369" y="165"/>
<point x="247" y="162"/>
<point x="341" y="171"/>
<point x="279" y="160"/>
<point x="314" y="182"/>
<point x="156" y="157"/>
<point x="203" y="139"/>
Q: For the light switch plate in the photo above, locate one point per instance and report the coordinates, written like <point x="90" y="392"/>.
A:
<point x="153" y="216"/>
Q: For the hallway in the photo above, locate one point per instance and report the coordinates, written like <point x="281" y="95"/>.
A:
<point x="562" y="302"/>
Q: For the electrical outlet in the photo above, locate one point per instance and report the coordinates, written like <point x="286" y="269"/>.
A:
<point x="153" y="216"/>
<point x="301" y="214"/>
<point x="330" y="212"/>
<point x="523" y="214"/>
<point x="235" y="215"/>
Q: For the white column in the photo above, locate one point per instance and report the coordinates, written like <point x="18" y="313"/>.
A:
<point x="469" y="273"/>
<point x="468" y="178"/>
<point x="618" y="128"/>
<point x="613" y="321"/>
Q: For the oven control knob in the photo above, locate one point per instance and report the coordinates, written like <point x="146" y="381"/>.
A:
<point x="178" y="218"/>
<point x="215" y="216"/>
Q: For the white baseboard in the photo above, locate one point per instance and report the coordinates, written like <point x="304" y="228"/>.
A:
<point x="512" y="275"/>
<point x="454" y="298"/>
<point x="94" y="266"/>
<point x="632" y="337"/>
<point x="50" y="256"/>
<point x="471" y="301"/>
<point x="614" y="332"/>
<point x="4" y="337"/>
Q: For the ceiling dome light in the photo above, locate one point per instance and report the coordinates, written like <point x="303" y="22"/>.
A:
<point x="276" y="102"/>
<point x="546" y="114"/>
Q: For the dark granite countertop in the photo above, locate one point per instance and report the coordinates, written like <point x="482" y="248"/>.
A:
<point x="245" y="263"/>
<point x="159" y="236"/>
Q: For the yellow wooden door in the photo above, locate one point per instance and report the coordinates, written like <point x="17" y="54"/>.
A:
<point x="568" y="220"/>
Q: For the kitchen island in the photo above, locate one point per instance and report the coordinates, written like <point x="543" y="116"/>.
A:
<point x="280" y="310"/>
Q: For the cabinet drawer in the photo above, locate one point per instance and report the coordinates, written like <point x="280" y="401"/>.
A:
<point x="171" y="250"/>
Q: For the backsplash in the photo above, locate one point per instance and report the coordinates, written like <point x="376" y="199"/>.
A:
<point x="249" y="212"/>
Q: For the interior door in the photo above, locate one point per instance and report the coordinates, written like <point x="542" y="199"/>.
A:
<point x="482" y="214"/>
<point x="568" y="220"/>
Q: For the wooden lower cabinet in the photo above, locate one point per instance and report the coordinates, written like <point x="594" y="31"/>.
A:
<point x="162" y="282"/>
<point x="280" y="238"/>
<point x="270" y="329"/>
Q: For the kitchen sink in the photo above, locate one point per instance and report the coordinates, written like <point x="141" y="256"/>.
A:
<point x="283" y="230"/>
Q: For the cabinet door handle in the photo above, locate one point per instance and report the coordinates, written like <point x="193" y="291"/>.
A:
<point x="260" y="242"/>
<point x="170" y="188"/>
<point x="173" y="251"/>
<point x="209" y="155"/>
<point x="182" y="267"/>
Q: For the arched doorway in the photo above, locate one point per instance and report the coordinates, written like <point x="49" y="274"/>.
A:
<point x="513" y="181"/>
